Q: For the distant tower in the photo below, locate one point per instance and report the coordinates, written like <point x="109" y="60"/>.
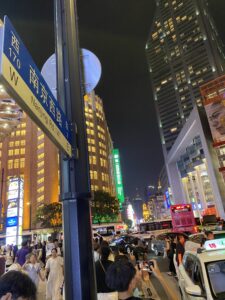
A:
<point x="183" y="52"/>
<point x="138" y="206"/>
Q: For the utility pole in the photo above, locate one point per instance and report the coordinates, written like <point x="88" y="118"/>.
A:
<point x="75" y="182"/>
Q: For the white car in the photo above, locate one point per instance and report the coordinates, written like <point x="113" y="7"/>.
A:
<point x="202" y="274"/>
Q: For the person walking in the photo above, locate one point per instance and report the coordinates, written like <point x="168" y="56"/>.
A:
<point x="55" y="278"/>
<point x="43" y="253"/>
<point x="170" y="255"/>
<point x="180" y="249"/>
<point x="8" y="257"/>
<point x="33" y="268"/>
<point x="21" y="254"/>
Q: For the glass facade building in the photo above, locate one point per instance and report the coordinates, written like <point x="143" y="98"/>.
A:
<point x="183" y="52"/>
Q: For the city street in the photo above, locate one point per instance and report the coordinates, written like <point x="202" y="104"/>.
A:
<point x="112" y="143"/>
<point x="163" y="266"/>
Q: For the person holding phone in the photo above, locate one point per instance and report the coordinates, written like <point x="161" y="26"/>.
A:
<point x="123" y="277"/>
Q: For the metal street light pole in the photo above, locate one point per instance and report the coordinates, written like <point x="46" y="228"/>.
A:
<point x="75" y="183"/>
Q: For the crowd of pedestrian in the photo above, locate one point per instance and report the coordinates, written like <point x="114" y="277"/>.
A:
<point x="39" y="261"/>
<point x="120" y="275"/>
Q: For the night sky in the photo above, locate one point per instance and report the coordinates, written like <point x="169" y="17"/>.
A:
<point x="116" y="31"/>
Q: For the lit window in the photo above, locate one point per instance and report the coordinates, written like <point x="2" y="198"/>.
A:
<point x="41" y="172"/>
<point x="40" y="156"/>
<point x="40" y="180"/>
<point x="41" y="198"/>
<point x="11" y="144"/>
<point x="10" y="152"/>
<point x="22" y="163"/>
<point x="40" y="164"/>
<point x="92" y="160"/>
<point x="17" y="133"/>
<point x="17" y="143"/>
<point x="16" y="151"/>
<point x="22" y="151"/>
<point x="13" y="133"/>
<point x="164" y="81"/>
<point x="40" y="146"/>
<point x="103" y="177"/>
<point x="23" y="132"/>
<point x="10" y="164"/>
<point x="174" y="129"/>
<point x="40" y="137"/>
<point x="41" y="189"/>
<point x="16" y="163"/>
<point x="23" y="125"/>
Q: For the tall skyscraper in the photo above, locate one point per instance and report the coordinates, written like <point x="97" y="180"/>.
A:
<point x="100" y="145"/>
<point x="183" y="51"/>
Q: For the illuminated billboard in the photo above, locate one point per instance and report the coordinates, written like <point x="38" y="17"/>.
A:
<point x="14" y="213"/>
<point x="213" y="94"/>
<point x="118" y="176"/>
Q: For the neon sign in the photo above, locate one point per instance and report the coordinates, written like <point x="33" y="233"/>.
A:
<point x="118" y="176"/>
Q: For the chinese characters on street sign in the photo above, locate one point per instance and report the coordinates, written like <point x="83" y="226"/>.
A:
<point x="24" y="81"/>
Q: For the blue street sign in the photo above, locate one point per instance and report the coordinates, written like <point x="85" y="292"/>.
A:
<point x="24" y="81"/>
<point x="12" y="221"/>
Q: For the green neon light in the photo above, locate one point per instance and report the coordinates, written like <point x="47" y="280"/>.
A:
<point x="118" y="176"/>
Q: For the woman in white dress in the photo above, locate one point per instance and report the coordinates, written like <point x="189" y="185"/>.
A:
<point x="54" y="271"/>
<point x="33" y="269"/>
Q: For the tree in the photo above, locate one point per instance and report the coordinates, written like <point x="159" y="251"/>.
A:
<point x="49" y="216"/>
<point x="105" y="208"/>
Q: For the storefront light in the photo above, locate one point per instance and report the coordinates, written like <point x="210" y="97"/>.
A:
<point x="10" y="114"/>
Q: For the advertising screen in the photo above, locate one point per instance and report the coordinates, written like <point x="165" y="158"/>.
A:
<point x="216" y="115"/>
<point x="14" y="211"/>
<point x="11" y="212"/>
<point x="213" y="94"/>
<point x="10" y="231"/>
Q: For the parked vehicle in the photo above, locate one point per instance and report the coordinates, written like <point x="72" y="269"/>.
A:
<point x="202" y="273"/>
<point x="126" y="241"/>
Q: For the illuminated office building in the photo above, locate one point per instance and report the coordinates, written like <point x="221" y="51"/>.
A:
<point x="183" y="52"/>
<point x="27" y="153"/>
<point x="100" y="145"/>
<point x="192" y="167"/>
